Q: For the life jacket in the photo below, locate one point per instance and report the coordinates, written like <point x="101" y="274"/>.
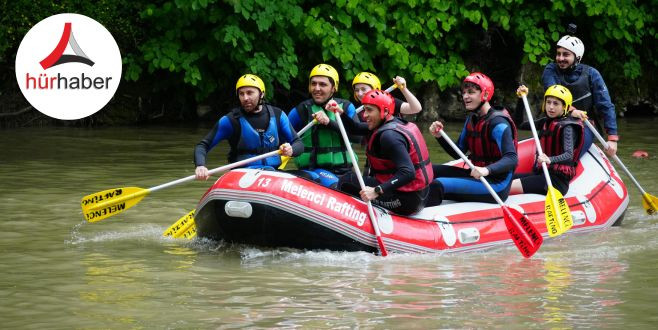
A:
<point x="483" y="149"/>
<point x="246" y="142"/>
<point x="580" y="89"/>
<point x="550" y="137"/>
<point x="384" y="169"/>
<point x="323" y="147"/>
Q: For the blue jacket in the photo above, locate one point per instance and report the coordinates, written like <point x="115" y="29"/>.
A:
<point x="601" y="98"/>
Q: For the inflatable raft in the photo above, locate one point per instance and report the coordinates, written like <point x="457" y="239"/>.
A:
<point x="277" y="209"/>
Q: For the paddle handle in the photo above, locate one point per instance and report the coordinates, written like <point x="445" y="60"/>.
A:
<point x="216" y="170"/>
<point x="468" y="162"/>
<point x="230" y="166"/>
<point x="390" y="89"/>
<point x="355" y="165"/>
<point x="307" y="127"/>
<point x="535" y="137"/>
<point x="605" y="146"/>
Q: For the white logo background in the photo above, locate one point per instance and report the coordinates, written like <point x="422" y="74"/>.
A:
<point x="96" y="42"/>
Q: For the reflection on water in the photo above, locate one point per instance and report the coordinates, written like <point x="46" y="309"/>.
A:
<point x="59" y="271"/>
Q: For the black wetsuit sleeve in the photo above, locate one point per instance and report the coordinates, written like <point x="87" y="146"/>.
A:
<point x="202" y="148"/>
<point x="505" y="141"/>
<point x="395" y="147"/>
<point x="568" y="138"/>
<point x="222" y="130"/>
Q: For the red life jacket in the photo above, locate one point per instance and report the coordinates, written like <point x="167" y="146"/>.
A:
<point x="550" y="137"/>
<point x="483" y="149"/>
<point x="384" y="169"/>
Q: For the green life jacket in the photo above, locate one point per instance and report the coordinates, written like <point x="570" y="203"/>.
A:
<point x="323" y="147"/>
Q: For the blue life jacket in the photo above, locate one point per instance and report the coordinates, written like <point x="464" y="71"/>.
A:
<point x="247" y="142"/>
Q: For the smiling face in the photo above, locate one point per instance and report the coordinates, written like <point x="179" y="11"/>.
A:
<point x="360" y="90"/>
<point x="554" y="107"/>
<point x="471" y="96"/>
<point x="321" y="89"/>
<point x="249" y="98"/>
<point x="372" y="116"/>
<point x="564" y="58"/>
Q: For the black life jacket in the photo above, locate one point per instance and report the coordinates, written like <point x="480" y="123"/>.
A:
<point x="580" y="89"/>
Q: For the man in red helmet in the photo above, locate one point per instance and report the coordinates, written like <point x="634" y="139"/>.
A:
<point x="489" y="135"/>
<point x="400" y="167"/>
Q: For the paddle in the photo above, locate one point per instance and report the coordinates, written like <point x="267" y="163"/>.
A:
<point x="373" y="220"/>
<point x="524" y="234"/>
<point x="649" y="202"/>
<point x="107" y="203"/>
<point x="184" y="227"/>
<point x="556" y="209"/>
<point x="285" y="159"/>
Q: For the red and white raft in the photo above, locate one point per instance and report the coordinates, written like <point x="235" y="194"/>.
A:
<point x="276" y="209"/>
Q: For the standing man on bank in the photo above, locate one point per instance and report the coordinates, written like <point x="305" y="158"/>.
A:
<point x="252" y="129"/>
<point x="586" y="84"/>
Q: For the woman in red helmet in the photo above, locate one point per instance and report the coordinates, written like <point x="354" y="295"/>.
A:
<point x="400" y="168"/>
<point x="489" y="136"/>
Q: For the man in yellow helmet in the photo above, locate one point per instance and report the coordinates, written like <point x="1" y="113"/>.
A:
<point x="324" y="155"/>
<point x="366" y="81"/>
<point x="252" y="129"/>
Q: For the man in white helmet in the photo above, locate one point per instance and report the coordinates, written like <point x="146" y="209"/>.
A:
<point x="586" y="84"/>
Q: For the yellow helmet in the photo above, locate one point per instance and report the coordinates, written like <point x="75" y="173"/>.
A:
<point x="561" y="93"/>
<point x="368" y="79"/>
<point x="325" y="70"/>
<point x="250" y="80"/>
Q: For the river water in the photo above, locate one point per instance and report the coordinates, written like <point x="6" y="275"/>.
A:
<point x="60" y="272"/>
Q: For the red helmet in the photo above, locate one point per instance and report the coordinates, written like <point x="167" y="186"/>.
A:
<point x="382" y="100"/>
<point x="485" y="84"/>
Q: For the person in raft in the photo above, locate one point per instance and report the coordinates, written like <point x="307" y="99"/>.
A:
<point x="489" y="135"/>
<point x="400" y="168"/>
<point x="366" y="81"/>
<point x="591" y="96"/>
<point x="252" y="129"/>
<point x="324" y="156"/>
<point x="561" y="139"/>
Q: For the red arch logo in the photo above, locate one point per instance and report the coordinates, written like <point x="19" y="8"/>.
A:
<point x="58" y="57"/>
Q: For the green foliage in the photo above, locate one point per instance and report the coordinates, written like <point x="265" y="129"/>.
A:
<point x="206" y="44"/>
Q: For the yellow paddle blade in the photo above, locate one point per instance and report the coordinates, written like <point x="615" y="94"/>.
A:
<point x="107" y="203"/>
<point x="649" y="202"/>
<point x="284" y="162"/>
<point x="190" y="233"/>
<point x="181" y="226"/>
<point x="558" y="215"/>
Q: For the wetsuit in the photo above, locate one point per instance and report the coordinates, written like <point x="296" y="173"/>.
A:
<point x="325" y="157"/>
<point x="395" y="148"/>
<point x="250" y="134"/>
<point x="589" y="94"/>
<point x="457" y="184"/>
<point x="563" y="165"/>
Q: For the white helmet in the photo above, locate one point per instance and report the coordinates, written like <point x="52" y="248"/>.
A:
<point x="574" y="45"/>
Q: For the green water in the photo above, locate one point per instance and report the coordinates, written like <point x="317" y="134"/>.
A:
<point x="60" y="272"/>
